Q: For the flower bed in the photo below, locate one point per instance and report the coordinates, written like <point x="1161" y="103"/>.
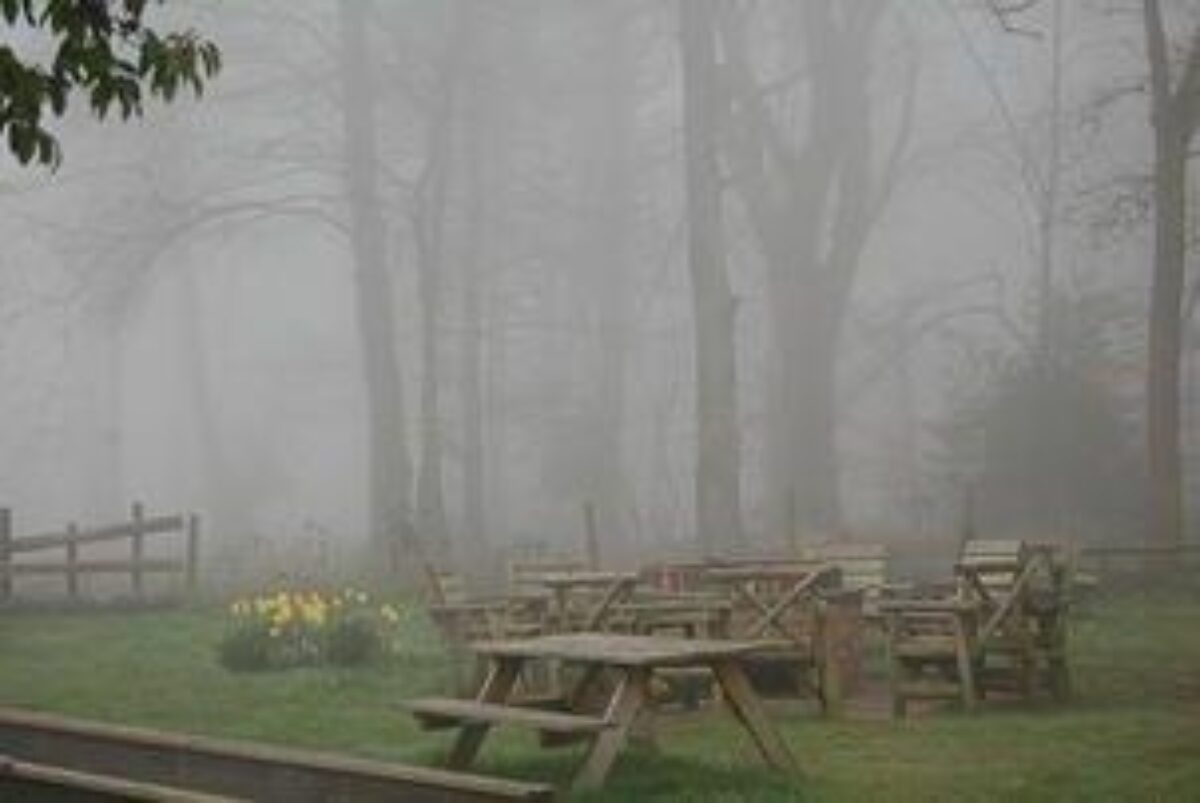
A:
<point x="306" y="627"/>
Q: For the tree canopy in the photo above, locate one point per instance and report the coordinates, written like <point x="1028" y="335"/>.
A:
<point x="101" y="49"/>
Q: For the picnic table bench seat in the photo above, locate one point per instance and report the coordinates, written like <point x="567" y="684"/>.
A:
<point x="435" y="713"/>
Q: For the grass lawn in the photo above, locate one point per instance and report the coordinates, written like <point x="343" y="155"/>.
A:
<point x="1132" y="734"/>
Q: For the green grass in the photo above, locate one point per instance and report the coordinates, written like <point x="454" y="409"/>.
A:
<point x="1132" y="733"/>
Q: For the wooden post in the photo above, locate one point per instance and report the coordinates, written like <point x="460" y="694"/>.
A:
<point x="5" y="553"/>
<point x="592" y="541"/>
<point x="193" y="551"/>
<point x="72" y="561"/>
<point x="136" y="541"/>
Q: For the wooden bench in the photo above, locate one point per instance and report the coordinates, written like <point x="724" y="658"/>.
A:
<point x="439" y="713"/>
<point x="241" y="770"/>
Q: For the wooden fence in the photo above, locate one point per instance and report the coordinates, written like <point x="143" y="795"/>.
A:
<point x="1128" y="559"/>
<point x="72" y="540"/>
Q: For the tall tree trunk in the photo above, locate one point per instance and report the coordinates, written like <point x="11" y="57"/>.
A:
<point x="810" y="204"/>
<point x="1174" y="114"/>
<point x="226" y="503"/>
<point x="390" y="473"/>
<point x="718" y="481"/>
<point x="429" y="225"/>
<point x="470" y="357"/>
<point x="97" y="412"/>
<point x="1164" y="352"/>
<point x="607" y="134"/>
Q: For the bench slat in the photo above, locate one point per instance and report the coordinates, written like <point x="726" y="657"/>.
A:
<point x="444" y="712"/>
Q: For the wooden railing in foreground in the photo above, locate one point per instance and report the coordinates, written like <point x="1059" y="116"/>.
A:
<point x="241" y="770"/>
<point x="73" y="539"/>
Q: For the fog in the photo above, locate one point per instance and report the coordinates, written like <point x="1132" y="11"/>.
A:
<point x="422" y="282"/>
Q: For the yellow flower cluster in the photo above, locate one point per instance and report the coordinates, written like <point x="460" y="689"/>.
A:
<point x="313" y="609"/>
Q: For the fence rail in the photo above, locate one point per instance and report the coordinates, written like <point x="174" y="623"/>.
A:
<point x="72" y="539"/>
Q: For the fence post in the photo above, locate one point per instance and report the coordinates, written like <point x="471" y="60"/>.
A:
<point x="193" y="550"/>
<point x="136" y="543"/>
<point x="72" y="559"/>
<point x="5" y="553"/>
<point x="592" y="541"/>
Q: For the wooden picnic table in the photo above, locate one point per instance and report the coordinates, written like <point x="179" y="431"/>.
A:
<point x="604" y="588"/>
<point x="632" y="660"/>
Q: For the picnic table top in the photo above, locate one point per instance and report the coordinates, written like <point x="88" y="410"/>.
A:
<point x="588" y="578"/>
<point x="622" y="650"/>
<point x="798" y="570"/>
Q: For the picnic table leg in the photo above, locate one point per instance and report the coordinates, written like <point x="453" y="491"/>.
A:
<point x="627" y="701"/>
<point x="496" y="688"/>
<point x="748" y="708"/>
<point x="964" y="659"/>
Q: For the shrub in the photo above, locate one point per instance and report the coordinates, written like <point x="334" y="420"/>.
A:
<point x="291" y="628"/>
<point x="353" y="640"/>
<point x="246" y="647"/>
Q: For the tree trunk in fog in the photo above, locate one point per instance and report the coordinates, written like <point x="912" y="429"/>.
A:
<point x="1175" y="112"/>
<point x="470" y="379"/>
<point x="389" y="470"/>
<point x="811" y="204"/>
<point x="97" y="411"/>
<point x="227" y="504"/>
<point x="718" y="489"/>
<point x="429" y="228"/>
<point x="608" y="138"/>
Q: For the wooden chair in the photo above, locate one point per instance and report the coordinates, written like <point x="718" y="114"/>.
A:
<point x="1003" y="628"/>
<point x="533" y="603"/>
<point x="459" y="618"/>
<point x="1022" y="592"/>
<point x="863" y="569"/>
<point x="798" y="605"/>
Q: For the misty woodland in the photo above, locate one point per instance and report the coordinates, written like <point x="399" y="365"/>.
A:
<point x="737" y="393"/>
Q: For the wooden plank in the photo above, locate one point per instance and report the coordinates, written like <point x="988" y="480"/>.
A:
<point x="844" y="551"/>
<point x="118" y="532"/>
<point x="1135" y="550"/>
<point x="241" y="769"/>
<point x="5" y="553"/>
<point x="496" y="689"/>
<point x="987" y="548"/>
<point x="630" y="697"/>
<point x="72" y="566"/>
<point x="929" y="689"/>
<point x="444" y="712"/>
<point x="741" y="697"/>
<point x="136" y="548"/>
<point x="97" y="566"/>
<point x="622" y="650"/>
<point x="193" y="551"/>
<point x="87" y="787"/>
<point x="932" y="646"/>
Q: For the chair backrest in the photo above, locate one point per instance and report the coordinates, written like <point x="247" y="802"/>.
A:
<point x="996" y="563"/>
<point x="524" y="575"/>
<point x="445" y="588"/>
<point x="864" y="567"/>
